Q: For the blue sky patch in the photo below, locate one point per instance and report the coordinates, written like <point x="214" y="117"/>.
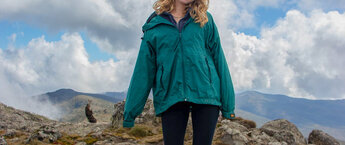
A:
<point x="25" y="33"/>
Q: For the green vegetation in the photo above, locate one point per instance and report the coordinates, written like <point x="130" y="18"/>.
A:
<point x="140" y="131"/>
<point x="68" y="139"/>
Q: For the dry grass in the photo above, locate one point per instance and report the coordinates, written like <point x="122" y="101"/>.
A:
<point x="245" y="122"/>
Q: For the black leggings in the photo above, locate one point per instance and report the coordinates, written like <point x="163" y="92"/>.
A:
<point x="204" y="120"/>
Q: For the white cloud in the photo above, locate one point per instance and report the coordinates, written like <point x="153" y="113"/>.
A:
<point x="302" y="56"/>
<point x="44" y="66"/>
<point x="230" y="15"/>
<point x="112" y="24"/>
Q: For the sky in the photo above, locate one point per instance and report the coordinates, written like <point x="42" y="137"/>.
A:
<point x="291" y="47"/>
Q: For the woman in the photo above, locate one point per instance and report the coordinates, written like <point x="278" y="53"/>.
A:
<point x="182" y="60"/>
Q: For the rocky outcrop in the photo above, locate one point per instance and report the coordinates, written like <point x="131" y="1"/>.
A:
<point x="45" y="133"/>
<point x="318" y="137"/>
<point x="273" y="132"/>
<point x="2" y="141"/>
<point x="283" y="130"/>
<point x="20" y="127"/>
<point x="20" y="120"/>
<point x="238" y="131"/>
<point x="147" y="116"/>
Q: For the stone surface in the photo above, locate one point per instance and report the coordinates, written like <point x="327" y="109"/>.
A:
<point x="318" y="137"/>
<point x="2" y="141"/>
<point x="20" y="127"/>
<point x="283" y="130"/>
<point x="146" y="117"/>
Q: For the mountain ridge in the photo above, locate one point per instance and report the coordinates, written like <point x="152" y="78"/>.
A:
<point x="17" y="126"/>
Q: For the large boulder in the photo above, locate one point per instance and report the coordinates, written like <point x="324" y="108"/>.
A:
<point x="283" y="130"/>
<point x="45" y="133"/>
<point x="235" y="133"/>
<point x="318" y="137"/>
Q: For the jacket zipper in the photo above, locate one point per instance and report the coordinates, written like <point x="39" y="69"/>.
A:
<point x="180" y="37"/>
<point x="209" y="71"/>
<point x="183" y="70"/>
<point x="177" y="44"/>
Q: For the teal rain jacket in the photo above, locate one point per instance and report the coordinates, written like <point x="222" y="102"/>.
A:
<point x="187" y="65"/>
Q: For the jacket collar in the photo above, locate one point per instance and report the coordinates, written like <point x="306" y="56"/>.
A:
<point x="165" y="18"/>
<point x="170" y="17"/>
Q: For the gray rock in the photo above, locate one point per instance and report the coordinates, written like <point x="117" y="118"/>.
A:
<point x="2" y="141"/>
<point x="146" y="117"/>
<point x="12" y="118"/>
<point x="283" y="130"/>
<point x="10" y="133"/>
<point x="81" y="143"/>
<point x="318" y="137"/>
<point x="45" y="133"/>
<point x="234" y="133"/>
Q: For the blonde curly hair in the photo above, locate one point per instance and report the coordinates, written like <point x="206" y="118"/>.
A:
<point x="198" y="9"/>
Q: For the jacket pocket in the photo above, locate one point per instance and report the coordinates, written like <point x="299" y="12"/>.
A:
<point x="161" y="78"/>
<point x="209" y="70"/>
<point x="159" y="89"/>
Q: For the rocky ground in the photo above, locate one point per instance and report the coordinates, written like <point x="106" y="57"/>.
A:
<point x="20" y="127"/>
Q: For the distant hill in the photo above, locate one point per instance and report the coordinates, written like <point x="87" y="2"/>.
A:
<point x="327" y="115"/>
<point x="62" y="95"/>
<point x="72" y="104"/>
<point x="20" y="127"/>
<point x="74" y="109"/>
<point x="307" y="114"/>
<point x="118" y="95"/>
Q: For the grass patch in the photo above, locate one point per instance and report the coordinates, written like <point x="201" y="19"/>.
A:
<point x="68" y="139"/>
<point x="218" y="125"/>
<point x="121" y="130"/>
<point x="90" y="140"/>
<point x="140" y="131"/>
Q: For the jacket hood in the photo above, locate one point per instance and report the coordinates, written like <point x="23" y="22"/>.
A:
<point x="156" y="20"/>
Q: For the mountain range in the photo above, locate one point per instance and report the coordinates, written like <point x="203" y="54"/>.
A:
<point x="327" y="115"/>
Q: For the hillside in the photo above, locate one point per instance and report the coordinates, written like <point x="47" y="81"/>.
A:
<point x="62" y="95"/>
<point x="20" y="127"/>
<point x="72" y="104"/>
<point x="74" y="109"/>
<point x="306" y="114"/>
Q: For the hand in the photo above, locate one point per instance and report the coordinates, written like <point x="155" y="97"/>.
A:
<point x="221" y="118"/>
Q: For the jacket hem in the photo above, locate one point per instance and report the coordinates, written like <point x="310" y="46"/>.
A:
<point x="128" y="124"/>
<point x="210" y="101"/>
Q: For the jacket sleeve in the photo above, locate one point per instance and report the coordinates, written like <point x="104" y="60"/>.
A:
<point x="140" y="84"/>
<point x="227" y="93"/>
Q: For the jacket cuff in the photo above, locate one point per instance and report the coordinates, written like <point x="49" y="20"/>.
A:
<point x="128" y="124"/>
<point x="228" y="115"/>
